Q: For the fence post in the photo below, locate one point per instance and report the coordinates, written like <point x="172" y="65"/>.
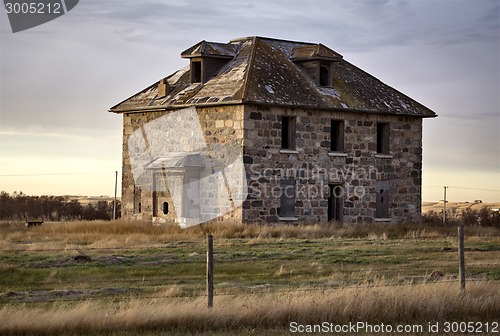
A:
<point x="114" y="200"/>
<point x="210" y="271"/>
<point x="461" y="253"/>
<point x="444" y="206"/>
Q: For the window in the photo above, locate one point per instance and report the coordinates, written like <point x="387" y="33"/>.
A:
<point x="137" y="199"/>
<point x="337" y="135"/>
<point x="287" y="198"/>
<point x="383" y="138"/>
<point x="324" y="74"/>
<point x="165" y="208"/>
<point x="288" y="133"/>
<point x="195" y="71"/>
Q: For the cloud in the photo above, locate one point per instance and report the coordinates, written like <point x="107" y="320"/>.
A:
<point x="60" y="78"/>
<point x="464" y="22"/>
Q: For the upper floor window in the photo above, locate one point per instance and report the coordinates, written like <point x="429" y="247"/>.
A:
<point x="383" y="138"/>
<point x="288" y="133"/>
<point x="337" y="135"/>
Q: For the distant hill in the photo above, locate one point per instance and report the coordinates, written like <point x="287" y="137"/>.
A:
<point x="89" y="199"/>
<point x="459" y="206"/>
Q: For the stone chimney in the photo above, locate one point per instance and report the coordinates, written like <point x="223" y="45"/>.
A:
<point x="163" y="88"/>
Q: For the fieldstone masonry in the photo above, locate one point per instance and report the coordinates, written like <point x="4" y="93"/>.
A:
<point x="316" y="138"/>
<point x="222" y="131"/>
<point x="256" y="132"/>
<point x="314" y="166"/>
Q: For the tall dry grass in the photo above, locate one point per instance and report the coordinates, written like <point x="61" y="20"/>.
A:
<point x="388" y="305"/>
<point x="230" y="229"/>
<point x="123" y="234"/>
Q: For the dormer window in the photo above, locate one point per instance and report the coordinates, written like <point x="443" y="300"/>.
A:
<point x="325" y="74"/>
<point x="316" y="61"/>
<point x="195" y="71"/>
<point x="207" y="58"/>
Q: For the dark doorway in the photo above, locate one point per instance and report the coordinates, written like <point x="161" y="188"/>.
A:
<point x="287" y="199"/>
<point x="335" y="202"/>
<point x="382" y="210"/>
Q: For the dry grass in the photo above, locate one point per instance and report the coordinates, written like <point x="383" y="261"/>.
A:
<point x="125" y="234"/>
<point x="170" y="314"/>
<point x="383" y="304"/>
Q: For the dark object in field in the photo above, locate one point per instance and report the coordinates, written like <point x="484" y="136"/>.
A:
<point x="82" y="258"/>
<point x="34" y="222"/>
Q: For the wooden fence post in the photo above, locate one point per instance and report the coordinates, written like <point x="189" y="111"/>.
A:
<point x="210" y="271"/>
<point x="461" y="253"/>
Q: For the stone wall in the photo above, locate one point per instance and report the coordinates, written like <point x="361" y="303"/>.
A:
<point x="314" y="166"/>
<point x="255" y="133"/>
<point x="221" y="129"/>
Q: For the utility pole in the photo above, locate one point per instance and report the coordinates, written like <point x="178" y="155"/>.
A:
<point x="114" y="202"/>
<point x="444" y="206"/>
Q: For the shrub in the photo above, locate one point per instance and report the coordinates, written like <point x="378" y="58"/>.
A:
<point x="468" y="217"/>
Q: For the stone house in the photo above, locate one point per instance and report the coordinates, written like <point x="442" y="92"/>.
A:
<point x="313" y="139"/>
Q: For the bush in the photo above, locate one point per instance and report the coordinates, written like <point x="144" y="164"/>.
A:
<point x="468" y="217"/>
<point x="20" y="206"/>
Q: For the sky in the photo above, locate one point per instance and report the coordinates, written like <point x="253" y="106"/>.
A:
<point x="58" y="80"/>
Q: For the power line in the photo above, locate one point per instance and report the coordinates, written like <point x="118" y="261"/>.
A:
<point x="466" y="188"/>
<point x="494" y="190"/>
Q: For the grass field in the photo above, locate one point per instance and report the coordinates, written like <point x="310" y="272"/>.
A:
<point x="126" y="278"/>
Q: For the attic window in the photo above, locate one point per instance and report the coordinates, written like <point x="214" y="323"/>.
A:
<point x="324" y="74"/>
<point x="195" y="71"/>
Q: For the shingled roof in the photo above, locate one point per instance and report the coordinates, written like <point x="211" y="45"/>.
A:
<point x="266" y="71"/>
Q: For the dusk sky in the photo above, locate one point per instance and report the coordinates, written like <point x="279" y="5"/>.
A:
<point x="59" y="79"/>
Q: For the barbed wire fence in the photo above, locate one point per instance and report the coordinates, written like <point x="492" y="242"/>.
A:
<point x="150" y="287"/>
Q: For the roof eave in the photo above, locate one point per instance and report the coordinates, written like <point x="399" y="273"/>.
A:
<point x="207" y="55"/>
<point x="316" y="58"/>
<point x="141" y="109"/>
<point x="340" y="109"/>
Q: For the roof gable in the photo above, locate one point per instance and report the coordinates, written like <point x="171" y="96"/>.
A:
<point x="314" y="52"/>
<point x="210" y="49"/>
